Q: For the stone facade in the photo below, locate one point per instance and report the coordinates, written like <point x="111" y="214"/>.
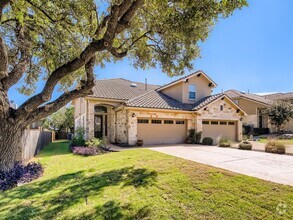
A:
<point x="122" y="122"/>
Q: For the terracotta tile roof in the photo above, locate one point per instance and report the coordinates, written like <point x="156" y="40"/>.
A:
<point x="159" y="100"/>
<point x="234" y="94"/>
<point x="120" y="89"/>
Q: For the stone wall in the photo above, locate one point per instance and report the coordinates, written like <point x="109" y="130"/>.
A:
<point x="121" y="129"/>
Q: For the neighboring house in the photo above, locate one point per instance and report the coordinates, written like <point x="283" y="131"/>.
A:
<point x="126" y="111"/>
<point x="252" y="104"/>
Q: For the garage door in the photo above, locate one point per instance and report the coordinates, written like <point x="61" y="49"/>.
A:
<point x="161" y="131"/>
<point x="214" y="129"/>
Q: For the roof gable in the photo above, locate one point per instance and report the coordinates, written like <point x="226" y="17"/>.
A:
<point x="183" y="79"/>
<point x="234" y="94"/>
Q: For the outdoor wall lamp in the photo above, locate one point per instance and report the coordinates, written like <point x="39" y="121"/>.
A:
<point x="133" y="115"/>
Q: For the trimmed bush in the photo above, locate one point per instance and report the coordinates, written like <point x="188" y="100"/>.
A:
<point x="20" y="174"/>
<point x="275" y="147"/>
<point x="224" y="142"/>
<point x="207" y="141"/>
<point x="245" y="145"/>
<point x="85" y="151"/>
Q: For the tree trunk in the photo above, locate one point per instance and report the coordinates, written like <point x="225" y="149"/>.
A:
<point x="10" y="145"/>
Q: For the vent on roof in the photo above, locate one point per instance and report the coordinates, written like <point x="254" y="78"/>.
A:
<point x="133" y="85"/>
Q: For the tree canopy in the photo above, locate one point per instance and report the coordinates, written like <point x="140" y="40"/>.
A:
<point x="279" y="112"/>
<point x="60" y="42"/>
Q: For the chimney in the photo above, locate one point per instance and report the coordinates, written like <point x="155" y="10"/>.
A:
<point x="146" y="84"/>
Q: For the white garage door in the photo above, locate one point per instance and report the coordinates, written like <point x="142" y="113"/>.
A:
<point x="214" y="129"/>
<point x="161" y="131"/>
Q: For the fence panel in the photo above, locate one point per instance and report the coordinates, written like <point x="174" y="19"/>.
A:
<point x="33" y="142"/>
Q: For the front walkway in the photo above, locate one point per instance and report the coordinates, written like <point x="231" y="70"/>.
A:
<point x="267" y="166"/>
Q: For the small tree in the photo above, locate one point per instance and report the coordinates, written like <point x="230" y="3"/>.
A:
<point x="279" y="113"/>
<point x="62" y="119"/>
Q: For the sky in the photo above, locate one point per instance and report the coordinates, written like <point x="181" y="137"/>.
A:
<point x="250" y="51"/>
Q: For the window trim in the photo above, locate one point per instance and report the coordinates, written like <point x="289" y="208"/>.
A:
<point x="142" y="121"/>
<point x="214" y="123"/>
<point x="178" y="122"/>
<point x="204" y="122"/>
<point x="168" y="120"/>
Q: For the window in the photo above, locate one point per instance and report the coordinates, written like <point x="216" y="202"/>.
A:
<point x="142" y="121"/>
<point x="169" y="122"/>
<point x="100" y="109"/>
<point x="214" y="122"/>
<point x="192" y="92"/>
<point x="231" y="123"/>
<point x="223" y="123"/>
<point x="221" y="107"/>
<point x="205" y="122"/>
<point x="156" y="121"/>
<point x="180" y="122"/>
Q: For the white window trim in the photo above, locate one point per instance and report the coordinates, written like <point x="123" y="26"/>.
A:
<point x="189" y="92"/>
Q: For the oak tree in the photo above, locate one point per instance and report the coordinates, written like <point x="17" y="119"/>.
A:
<point x="60" y="42"/>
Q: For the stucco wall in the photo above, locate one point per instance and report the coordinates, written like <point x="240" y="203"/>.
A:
<point x="250" y="107"/>
<point x="180" y="91"/>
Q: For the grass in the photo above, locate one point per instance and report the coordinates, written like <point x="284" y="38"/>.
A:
<point x="284" y="141"/>
<point x="140" y="184"/>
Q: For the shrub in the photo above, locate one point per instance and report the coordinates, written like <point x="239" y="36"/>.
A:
<point x="275" y="147"/>
<point x="20" y="174"/>
<point x="224" y="142"/>
<point x="207" y="141"/>
<point x="245" y="145"/>
<point x="85" y="151"/>
<point x="78" y="139"/>
<point x="194" y="136"/>
<point x="247" y="129"/>
<point x="261" y="131"/>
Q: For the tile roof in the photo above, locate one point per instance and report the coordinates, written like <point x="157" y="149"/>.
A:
<point x="279" y="96"/>
<point x="234" y="94"/>
<point x="120" y="89"/>
<point x="159" y="100"/>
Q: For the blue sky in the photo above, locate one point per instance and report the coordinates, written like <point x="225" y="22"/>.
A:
<point x="251" y="50"/>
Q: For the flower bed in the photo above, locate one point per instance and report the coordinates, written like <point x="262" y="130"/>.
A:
<point x="20" y="174"/>
<point x="88" y="151"/>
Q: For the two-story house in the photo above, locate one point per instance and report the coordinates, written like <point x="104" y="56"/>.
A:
<point x="124" y="111"/>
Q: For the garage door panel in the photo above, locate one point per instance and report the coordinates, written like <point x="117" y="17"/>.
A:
<point x="161" y="133"/>
<point x="225" y="129"/>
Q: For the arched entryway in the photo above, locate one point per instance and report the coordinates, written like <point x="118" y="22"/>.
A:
<point x="101" y="121"/>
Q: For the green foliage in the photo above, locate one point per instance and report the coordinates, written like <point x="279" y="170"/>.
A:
<point x="276" y="147"/>
<point x="62" y="119"/>
<point x="163" y="33"/>
<point x="224" y="142"/>
<point x="245" y="145"/>
<point x="95" y="142"/>
<point x="279" y="112"/>
<point x="194" y="136"/>
<point x="78" y="139"/>
<point x="207" y="141"/>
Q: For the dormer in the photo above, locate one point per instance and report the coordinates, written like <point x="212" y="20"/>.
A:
<point x="190" y="89"/>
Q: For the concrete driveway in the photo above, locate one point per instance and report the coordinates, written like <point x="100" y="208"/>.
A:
<point x="272" y="167"/>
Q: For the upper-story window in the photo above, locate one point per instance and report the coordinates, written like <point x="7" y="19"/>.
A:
<point x="192" y="92"/>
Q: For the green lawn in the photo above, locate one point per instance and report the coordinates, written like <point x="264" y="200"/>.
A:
<point x="284" y="141"/>
<point x="140" y="184"/>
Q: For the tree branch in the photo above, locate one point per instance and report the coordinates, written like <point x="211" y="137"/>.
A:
<point x="83" y="90"/>
<point x="3" y="59"/>
<point x="18" y="70"/>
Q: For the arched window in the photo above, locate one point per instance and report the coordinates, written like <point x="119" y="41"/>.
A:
<point x="100" y="110"/>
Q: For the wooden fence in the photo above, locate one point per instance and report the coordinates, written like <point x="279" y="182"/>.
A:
<point x="33" y="142"/>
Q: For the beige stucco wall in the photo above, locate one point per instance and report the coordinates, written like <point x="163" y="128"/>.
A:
<point x="180" y="91"/>
<point x="202" y="89"/>
<point x="175" y="91"/>
<point x="250" y="107"/>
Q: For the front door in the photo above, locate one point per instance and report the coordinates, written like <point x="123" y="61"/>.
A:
<point x="98" y="126"/>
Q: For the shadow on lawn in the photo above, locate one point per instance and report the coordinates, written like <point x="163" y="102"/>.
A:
<point x="54" y="149"/>
<point x="47" y="198"/>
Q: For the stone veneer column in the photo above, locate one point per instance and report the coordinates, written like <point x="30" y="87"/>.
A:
<point x="90" y="121"/>
<point x="132" y="128"/>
